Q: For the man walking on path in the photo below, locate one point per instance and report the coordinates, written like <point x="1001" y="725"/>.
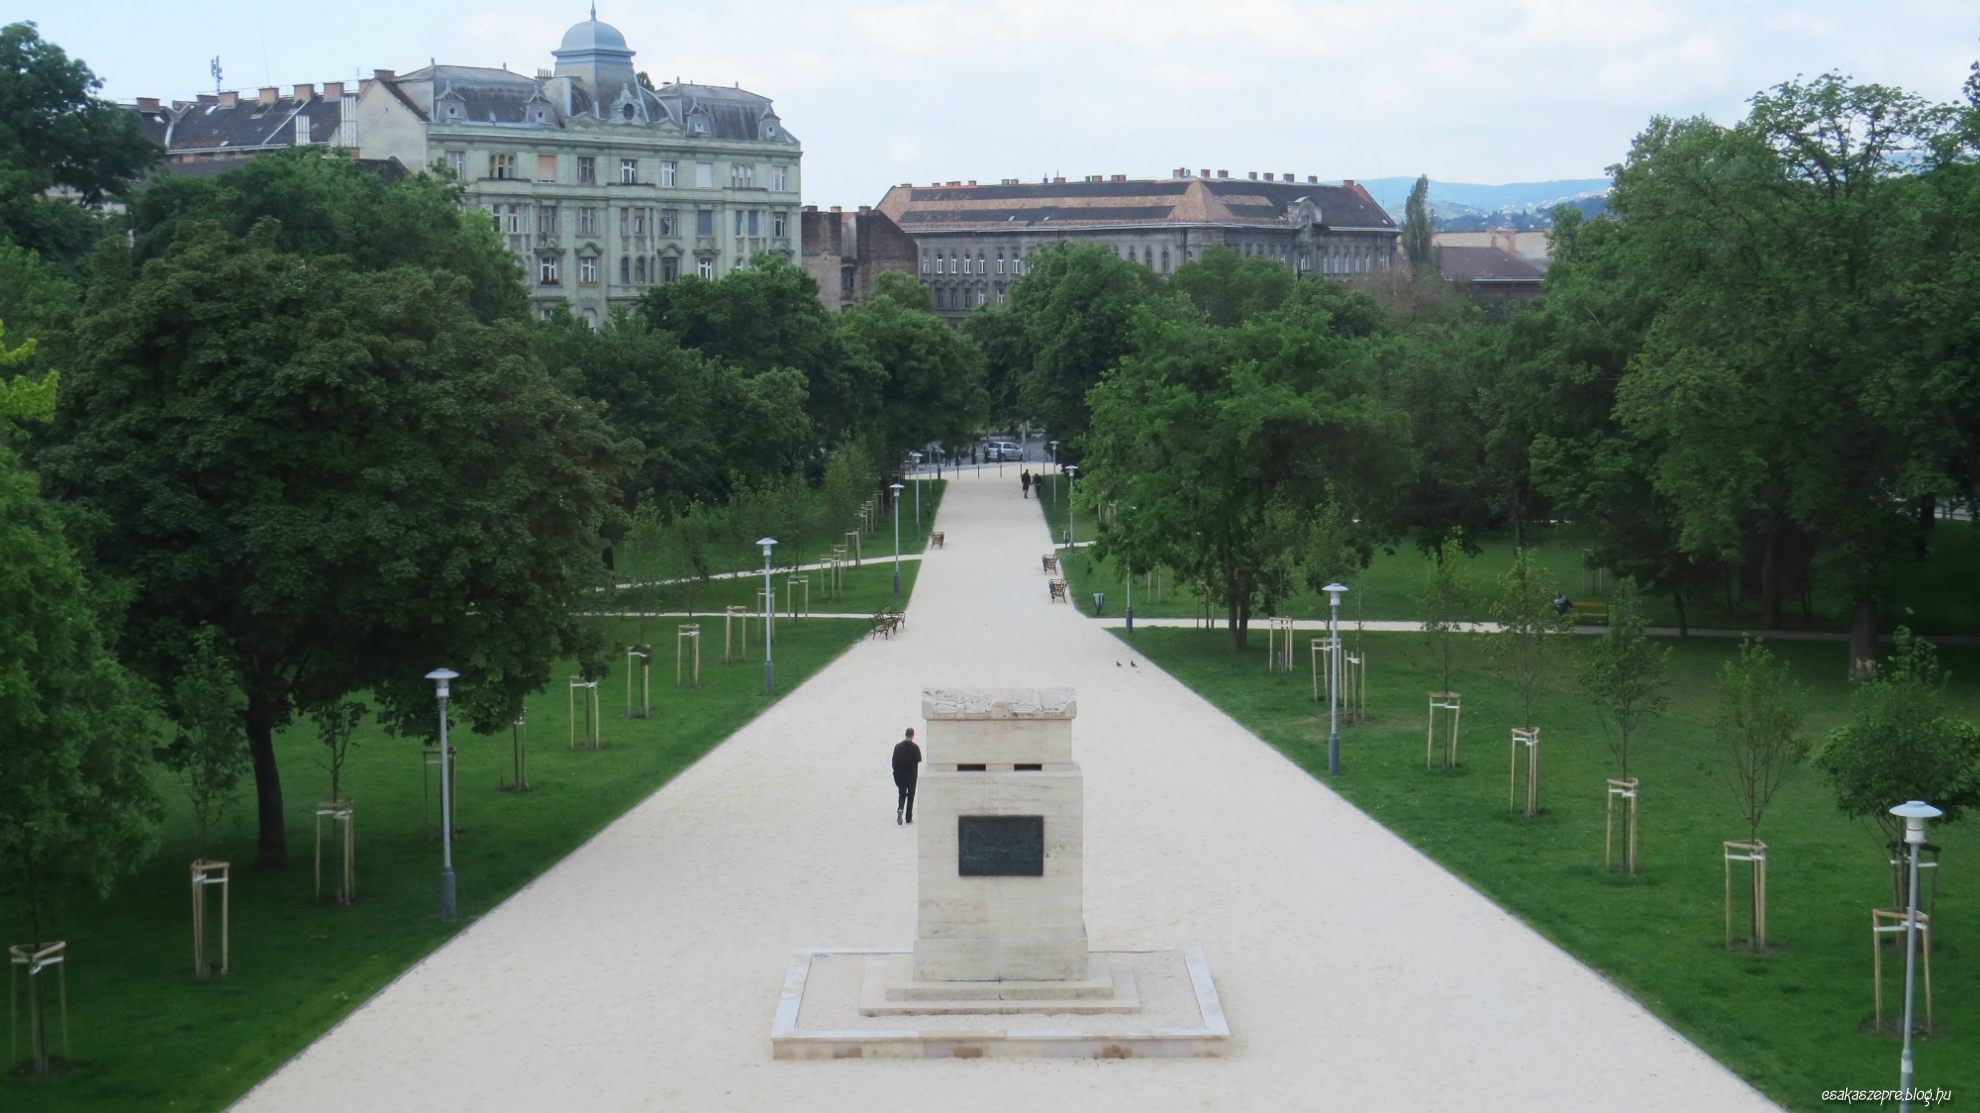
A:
<point x="907" y="769"/>
<point x="1025" y="480"/>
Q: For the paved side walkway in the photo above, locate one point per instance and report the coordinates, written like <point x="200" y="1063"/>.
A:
<point x="643" y="971"/>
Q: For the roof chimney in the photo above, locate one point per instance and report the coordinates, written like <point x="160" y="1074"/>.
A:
<point x="1223" y="173"/>
<point x="1058" y="181"/>
<point x="1119" y="178"/>
<point x="385" y="75"/>
<point x="306" y="92"/>
<point x="333" y="89"/>
<point x="1268" y="176"/>
<point x="1288" y="177"/>
<point x="1347" y="183"/>
<point x="543" y="74"/>
<point x="1254" y="174"/>
<point x="972" y="181"/>
<point x="811" y="208"/>
<point x="228" y="99"/>
<point x="1206" y="172"/>
<point x="836" y="209"/>
<point x="955" y="183"/>
<point x="1314" y="178"/>
<point x="270" y="94"/>
<point x="147" y="104"/>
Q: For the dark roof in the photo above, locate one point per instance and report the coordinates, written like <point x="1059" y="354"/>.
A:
<point x="1487" y="264"/>
<point x="1171" y="200"/>
<point x="1037" y="190"/>
<point x="1131" y="213"/>
<point x="207" y="124"/>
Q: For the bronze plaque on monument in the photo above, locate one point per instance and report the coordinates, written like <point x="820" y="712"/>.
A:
<point x="1000" y="845"/>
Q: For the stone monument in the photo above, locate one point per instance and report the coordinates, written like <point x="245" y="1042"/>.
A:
<point x="1001" y="932"/>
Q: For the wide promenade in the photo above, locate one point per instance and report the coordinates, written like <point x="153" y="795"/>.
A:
<point x="642" y="972"/>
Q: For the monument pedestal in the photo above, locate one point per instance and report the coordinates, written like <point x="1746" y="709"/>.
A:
<point x="1001" y="935"/>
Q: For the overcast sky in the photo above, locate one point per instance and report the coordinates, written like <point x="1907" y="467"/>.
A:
<point x="881" y="93"/>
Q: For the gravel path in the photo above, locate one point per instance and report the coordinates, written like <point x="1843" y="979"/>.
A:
<point x="643" y="971"/>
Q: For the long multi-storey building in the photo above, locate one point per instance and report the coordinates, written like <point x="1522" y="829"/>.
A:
<point x="601" y="183"/>
<point x="974" y="241"/>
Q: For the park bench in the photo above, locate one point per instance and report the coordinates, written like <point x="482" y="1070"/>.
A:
<point x="887" y="622"/>
<point x="935" y="540"/>
<point x="1058" y="588"/>
<point x="1590" y="611"/>
<point x="1051" y="562"/>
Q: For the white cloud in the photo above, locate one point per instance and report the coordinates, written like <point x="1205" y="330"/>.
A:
<point x="883" y="91"/>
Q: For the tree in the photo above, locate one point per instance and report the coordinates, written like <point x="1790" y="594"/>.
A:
<point x="1418" y="232"/>
<point x="1759" y="709"/>
<point x="77" y="809"/>
<point x="345" y="472"/>
<point x="1529" y="628"/>
<point x="764" y="317"/>
<point x="1076" y="307"/>
<point x="59" y="133"/>
<point x="1625" y="673"/>
<point x="1227" y="288"/>
<point x="930" y="376"/>
<point x="210" y="754"/>
<point x="1229" y="440"/>
<point x="705" y="425"/>
<point x="319" y="202"/>
<point x="336" y="728"/>
<point x="1901" y="743"/>
<point x="1446" y="606"/>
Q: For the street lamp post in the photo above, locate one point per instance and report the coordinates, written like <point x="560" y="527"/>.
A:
<point x="1127" y="566"/>
<point x="440" y="677"/>
<point x="1055" y="472"/>
<point x="769" y="667"/>
<point x="1334" y="593"/>
<point x="897" y="488"/>
<point x="1072" y="543"/>
<point x="917" y="490"/>
<point x="1914" y="813"/>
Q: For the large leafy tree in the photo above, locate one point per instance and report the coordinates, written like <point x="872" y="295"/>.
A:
<point x="764" y="317"/>
<point x="1231" y="443"/>
<point x="323" y="203"/>
<point x="1903" y="742"/>
<point x="1075" y="311"/>
<point x="706" y="425"/>
<point x="76" y="804"/>
<point x="1419" y="231"/>
<point x="345" y="472"/>
<point x="56" y="132"/>
<point x="930" y="375"/>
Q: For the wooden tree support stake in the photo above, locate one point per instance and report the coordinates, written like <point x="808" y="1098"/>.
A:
<point x="734" y="651"/>
<point x="1452" y="703"/>
<point x="206" y="874"/>
<point x="33" y="959"/>
<point x="1756" y="853"/>
<point x="518" y="754"/>
<point x="1898" y="918"/>
<point x="584" y="699"/>
<point x="1626" y="789"/>
<point x="1278" y="644"/>
<point x="1531" y="738"/>
<point x="337" y="812"/>
<point x="791" y="607"/>
<point x="687" y="656"/>
<point x="644" y="655"/>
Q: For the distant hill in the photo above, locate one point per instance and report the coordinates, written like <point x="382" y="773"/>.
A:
<point x="1459" y="206"/>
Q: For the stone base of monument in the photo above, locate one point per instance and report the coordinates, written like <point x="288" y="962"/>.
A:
<point x="890" y="990"/>
<point x="864" y="1004"/>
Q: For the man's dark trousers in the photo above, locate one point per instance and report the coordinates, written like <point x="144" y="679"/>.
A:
<point x="906" y="802"/>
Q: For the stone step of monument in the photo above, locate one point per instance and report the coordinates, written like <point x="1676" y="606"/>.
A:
<point x="890" y="990"/>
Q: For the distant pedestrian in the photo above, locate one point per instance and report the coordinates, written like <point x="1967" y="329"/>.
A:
<point x="907" y="770"/>
<point x="1563" y="605"/>
<point x="1025" y="480"/>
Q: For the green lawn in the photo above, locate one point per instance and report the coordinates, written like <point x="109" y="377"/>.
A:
<point x="148" y="1036"/>
<point x="1792" y="1022"/>
<point x="1933" y="596"/>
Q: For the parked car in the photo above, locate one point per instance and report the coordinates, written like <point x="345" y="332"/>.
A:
<point x="1002" y="450"/>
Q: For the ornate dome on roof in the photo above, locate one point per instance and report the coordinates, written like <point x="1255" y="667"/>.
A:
<point x="593" y="35"/>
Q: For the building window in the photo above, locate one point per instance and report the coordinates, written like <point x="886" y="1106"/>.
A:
<point x="629" y="171"/>
<point x="457" y="163"/>
<point x="955" y="264"/>
<point x="779" y="225"/>
<point x="670" y="222"/>
<point x="1165" y="260"/>
<point x="741" y="176"/>
<point x="982" y="267"/>
<point x="625" y="270"/>
<point x="780" y="177"/>
<point x="591" y="317"/>
<point x="625" y="222"/>
<point x="670" y="269"/>
<point x="546" y="168"/>
<point x="639" y="221"/>
<point x="924" y="260"/>
<point x="667" y="168"/>
<point x="704" y="222"/>
<point x="587" y="271"/>
<point x="546" y="220"/>
<point x="501" y="166"/>
<point x="754" y="230"/>
<point x="587" y="170"/>
<point x="705" y="267"/>
<point x="546" y="270"/>
<point x="1000" y="262"/>
<point x="704" y="175"/>
<point x="587" y="222"/>
<point x="639" y="270"/>
<point x="508" y="218"/>
<point x="846" y="280"/>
